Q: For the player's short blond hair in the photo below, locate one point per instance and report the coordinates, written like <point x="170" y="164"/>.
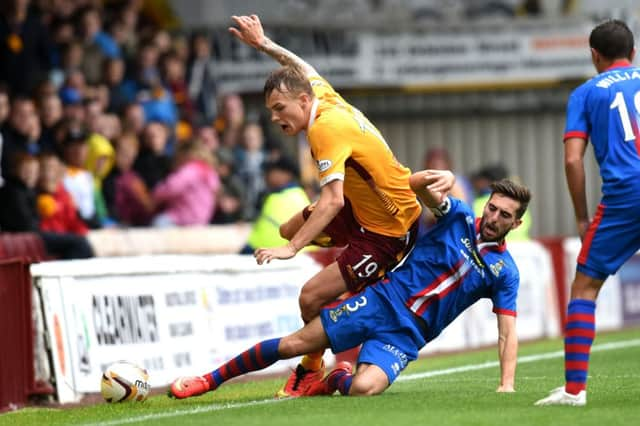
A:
<point x="288" y="79"/>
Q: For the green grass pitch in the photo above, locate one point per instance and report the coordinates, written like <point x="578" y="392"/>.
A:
<point x="431" y="393"/>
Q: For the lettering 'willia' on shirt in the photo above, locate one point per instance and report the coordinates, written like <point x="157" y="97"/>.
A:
<point x="607" y="81"/>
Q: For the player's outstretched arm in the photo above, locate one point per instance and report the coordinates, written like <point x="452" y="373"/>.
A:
<point x="431" y="186"/>
<point x="250" y="32"/>
<point x="507" y="352"/>
<point x="327" y="207"/>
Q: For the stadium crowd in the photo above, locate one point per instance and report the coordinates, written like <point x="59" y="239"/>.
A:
<point x="108" y="119"/>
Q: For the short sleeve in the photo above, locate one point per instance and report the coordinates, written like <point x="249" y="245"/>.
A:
<point x="329" y="152"/>
<point x="577" y="125"/>
<point x="505" y="295"/>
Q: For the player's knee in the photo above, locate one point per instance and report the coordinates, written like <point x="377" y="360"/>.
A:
<point x="363" y="387"/>
<point x="309" y="305"/>
<point x="585" y="287"/>
<point x="288" y="347"/>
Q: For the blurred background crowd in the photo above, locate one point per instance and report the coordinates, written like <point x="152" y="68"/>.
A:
<point x="110" y="119"/>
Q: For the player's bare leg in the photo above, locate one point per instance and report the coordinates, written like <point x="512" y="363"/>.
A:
<point x="324" y="287"/>
<point x="585" y="287"/>
<point x="369" y="380"/>
<point x="309" y="338"/>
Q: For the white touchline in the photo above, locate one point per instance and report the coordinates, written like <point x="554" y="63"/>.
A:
<point x="414" y="376"/>
<point x="177" y="413"/>
<point x="521" y="360"/>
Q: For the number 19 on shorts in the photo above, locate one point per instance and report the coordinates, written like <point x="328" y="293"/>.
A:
<point x="365" y="268"/>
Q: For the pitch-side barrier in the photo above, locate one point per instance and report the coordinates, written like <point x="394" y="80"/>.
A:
<point x="173" y="315"/>
<point x="187" y="314"/>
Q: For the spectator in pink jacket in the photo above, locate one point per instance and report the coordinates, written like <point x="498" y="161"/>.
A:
<point x="187" y="196"/>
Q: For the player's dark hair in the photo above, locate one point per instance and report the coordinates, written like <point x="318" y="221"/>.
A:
<point x="612" y="39"/>
<point x="290" y="79"/>
<point x="515" y="191"/>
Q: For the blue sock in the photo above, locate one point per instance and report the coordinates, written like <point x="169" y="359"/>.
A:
<point x="257" y="357"/>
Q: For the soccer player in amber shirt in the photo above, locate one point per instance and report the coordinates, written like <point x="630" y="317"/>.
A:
<point x="461" y="260"/>
<point x="365" y="201"/>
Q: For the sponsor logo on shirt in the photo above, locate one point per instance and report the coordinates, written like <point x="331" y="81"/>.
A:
<point x="324" y="165"/>
<point x="471" y="256"/>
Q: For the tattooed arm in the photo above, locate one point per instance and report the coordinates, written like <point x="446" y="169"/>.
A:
<point x="250" y="32"/>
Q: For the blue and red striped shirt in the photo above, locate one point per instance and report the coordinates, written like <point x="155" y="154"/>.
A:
<point x="606" y="110"/>
<point x="450" y="269"/>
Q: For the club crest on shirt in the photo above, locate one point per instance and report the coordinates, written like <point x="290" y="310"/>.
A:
<point x="324" y="165"/>
<point x="497" y="267"/>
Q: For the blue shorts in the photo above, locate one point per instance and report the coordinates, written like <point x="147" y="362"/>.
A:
<point x="612" y="238"/>
<point x="389" y="335"/>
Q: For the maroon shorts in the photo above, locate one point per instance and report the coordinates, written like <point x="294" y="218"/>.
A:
<point x="368" y="255"/>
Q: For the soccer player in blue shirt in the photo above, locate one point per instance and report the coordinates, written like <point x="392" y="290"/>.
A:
<point x="461" y="260"/>
<point x="606" y="110"/>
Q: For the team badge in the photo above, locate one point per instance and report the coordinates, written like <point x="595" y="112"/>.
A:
<point x="497" y="267"/>
<point x="324" y="165"/>
<point x="335" y="314"/>
<point x="347" y="308"/>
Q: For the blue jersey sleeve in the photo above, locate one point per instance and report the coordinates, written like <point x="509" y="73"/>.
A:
<point x="505" y="295"/>
<point x="577" y="125"/>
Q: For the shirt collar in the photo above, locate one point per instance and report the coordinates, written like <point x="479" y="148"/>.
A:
<point x="312" y="115"/>
<point x="622" y="63"/>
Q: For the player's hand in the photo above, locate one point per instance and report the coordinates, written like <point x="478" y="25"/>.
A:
<point x="439" y="181"/>
<point x="583" y="225"/>
<point x="505" y="389"/>
<point x="263" y="255"/>
<point x="249" y="30"/>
